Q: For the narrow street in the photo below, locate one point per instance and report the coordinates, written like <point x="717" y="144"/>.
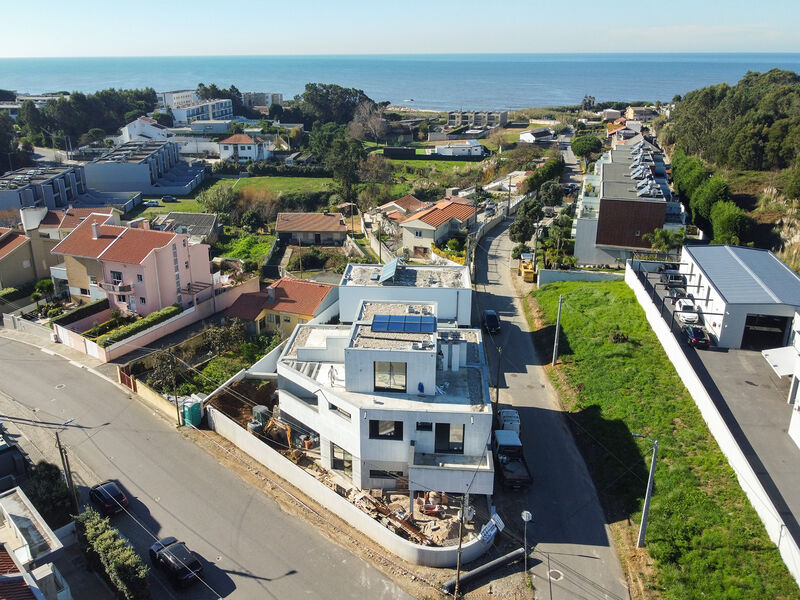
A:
<point x="568" y="528"/>
<point x="248" y="546"/>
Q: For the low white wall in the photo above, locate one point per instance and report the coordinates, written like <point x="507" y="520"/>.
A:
<point x="67" y="534"/>
<point x="269" y="363"/>
<point x="355" y="517"/>
<point x="20" y="324"/>
<point x="546" y="276"/>
<point x="748" y="480"/>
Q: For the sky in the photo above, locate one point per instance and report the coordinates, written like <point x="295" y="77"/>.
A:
<point x="44" y="28"/>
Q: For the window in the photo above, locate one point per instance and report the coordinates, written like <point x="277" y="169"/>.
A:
<point x="116" y="276"/>
<point x="139" y="277"/>
<point x="225" y="148"/>
<point x="92" y="279"/>
<point x="379" y="474"/>
<point x="385" y="430"/>
<point x="271" y="318"/>
<point x="141" y="300"/>
<point x="417" y="233"/>
<point x="424" y="426"/>
<point x="286" y="320"/>
<point x="449" y="438"/>
<point x="390" y="376"/>
<point x="186" y="264"/>
<point x="84" y="292"/>
<point x="120" y="298"/>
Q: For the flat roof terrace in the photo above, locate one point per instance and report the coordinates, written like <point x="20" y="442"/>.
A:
<point x="371" y="308"/>
<point x="31" y="175"/>
<point x="408" y="276"/>
<point x="132" y="152"/>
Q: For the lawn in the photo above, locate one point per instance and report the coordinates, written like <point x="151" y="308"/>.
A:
<point x="277" y="185"/>
<point x="246" y="247"/>
<point x="704" y="537"/>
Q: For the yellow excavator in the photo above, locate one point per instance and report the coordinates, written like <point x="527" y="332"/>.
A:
<point x="278" y="432"/>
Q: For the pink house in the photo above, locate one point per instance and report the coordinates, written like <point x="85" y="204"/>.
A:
<point x="140" y="270"/>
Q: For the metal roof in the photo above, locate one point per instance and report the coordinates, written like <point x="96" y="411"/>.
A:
<point x="747" y="275"/>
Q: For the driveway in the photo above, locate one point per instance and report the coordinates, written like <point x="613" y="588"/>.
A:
<point x="569" y="527"/>
<point x="572" y="171"/>
<point x="249" y="547"/>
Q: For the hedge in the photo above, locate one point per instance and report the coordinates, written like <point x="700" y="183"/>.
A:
<point x="146" y="323"/>
<point x="11" y="294"/>
<point x="107" y="551"/>
<point x="83" y="311"/>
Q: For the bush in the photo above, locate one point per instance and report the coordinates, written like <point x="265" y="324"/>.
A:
<point x="106" y="550"/>
<point x="146" y="323"/>
<point x="81" y="312"/>
<point x="519" y="250"/>
<point x="46" y="490"/>
<point x="586" y="144"/>
<point x="54" y="312"/>
<point x="11" y="294"/>
<point x="552" y="169"/>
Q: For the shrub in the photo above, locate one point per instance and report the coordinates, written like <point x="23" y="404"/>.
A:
<point x="81" y="312"/>
<point x="146" y="323"/>
<point x="54" y="312"/>
<point x="45" y="488"/>
<point x="11" y="294"/>
<point x="106" y="550"/>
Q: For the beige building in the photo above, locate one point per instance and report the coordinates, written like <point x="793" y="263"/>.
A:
<point x="24" y="258"/>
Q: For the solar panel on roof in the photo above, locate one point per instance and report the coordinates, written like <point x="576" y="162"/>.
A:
<point x="389" y="270"/>
<point x="403" y="324"/>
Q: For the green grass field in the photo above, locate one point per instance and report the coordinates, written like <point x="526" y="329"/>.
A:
<point x="704" y="536"/>
<point x="247" y="247"/>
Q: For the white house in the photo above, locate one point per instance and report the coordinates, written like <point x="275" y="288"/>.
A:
<point x="748" y="296"/>
<point x="393" y="399"/>
<point x="144" y="129"/>
<point x="435" y="225"/>
<point x="531" y="136"/>
<point x="460" y="148"/>
<point x="177" y="98"/>
<point x="448" y="286"/>
<point x="241" y="147"/>
<point x="610" y="114"/>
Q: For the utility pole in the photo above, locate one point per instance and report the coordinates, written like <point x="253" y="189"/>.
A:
<point x="646" y="511"/>
<point x="460" y="536"/>
<point x="174" y="385"/>
<point x="558" y="329"/>
<point x="71" y="484"/>
<point x="380" y="233"/>
<point x="67" y="475"/>
<point x="497" y="380"/>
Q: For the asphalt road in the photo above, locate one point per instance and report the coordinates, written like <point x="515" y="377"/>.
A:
<point x="249" y="548"/>
<point x="569" y="527"/>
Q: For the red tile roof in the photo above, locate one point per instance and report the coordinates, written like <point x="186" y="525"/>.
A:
<point x="10" y="242"/>
<point x="72" y="217"/>
<point x="7" y="565"/>
<point x="15" y="589"/>
<point x="442" y="212"/>
<point x="294" y="296"/>
<point x="241" y="138"/>
<point x="310" y="222"/>
<point x="408" y="203"/>
<point x="115" y="243"/>
<point x="395" y="215"/>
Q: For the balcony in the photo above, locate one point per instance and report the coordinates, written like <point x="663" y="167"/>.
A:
<point x="115" y="286"/>
<point x="451" y="472"/>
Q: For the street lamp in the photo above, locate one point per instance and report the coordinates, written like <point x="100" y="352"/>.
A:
<point x="643" y="526"/>
<point x="65" y="463"/>
<point x="526" y="516"/>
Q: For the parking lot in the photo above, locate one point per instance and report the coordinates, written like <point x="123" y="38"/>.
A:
<point x="751" y="398"/>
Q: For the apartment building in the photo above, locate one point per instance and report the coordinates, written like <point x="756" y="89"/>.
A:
<point x="204" y="110"/>
<point x="52" y="187"/>
<point x="394" y="400"/>
<point x="139" y="270"/>
<point x="627" y="197"/>
<point x="177" y="98"/>
<point x="457" y="118"/>
<point x="645" y="114"/>
<point x="253" y="99"/>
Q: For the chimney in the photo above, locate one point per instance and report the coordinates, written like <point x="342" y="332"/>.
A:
<point x="271" y="293"/>
<point x="95" y="230"/>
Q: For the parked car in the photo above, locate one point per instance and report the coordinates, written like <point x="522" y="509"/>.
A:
<point x="668" y="266"/>
<point x="489" y="212"/>
<point x="151" y="203"/>
<point x="491" y="322"/>
<point x="108" y="498"/>
<point x="169" y="199"/>
<point x="673" y="279"/>
<point x="179" y="563"/>
<point x="697" y="337"/>
<point x="676" y="293"/>
<point x="686" y="310"/>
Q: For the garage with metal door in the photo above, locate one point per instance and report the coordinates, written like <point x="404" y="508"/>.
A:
<point x="751" y="292"/>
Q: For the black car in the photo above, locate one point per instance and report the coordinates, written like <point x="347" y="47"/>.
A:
<point x="677" y="293"/>
<point x="697" y="337"/>
<point x="491" y="322"/>
<point x="668" y="266"/>
<point x="673" y="279"/>
<point x="169" y="199"/>
<point x="108" y="498"/>
<point x="176" y="560"/>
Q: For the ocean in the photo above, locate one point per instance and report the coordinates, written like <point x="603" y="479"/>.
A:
<point x="438" y="82"/>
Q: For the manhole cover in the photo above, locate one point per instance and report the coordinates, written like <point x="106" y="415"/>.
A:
<point x="555" y="575"/>
<point x="529" y="386"/>
<point x="61" y="386"/>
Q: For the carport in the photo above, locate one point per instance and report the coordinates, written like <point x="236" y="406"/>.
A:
<point x="754" y="293"/>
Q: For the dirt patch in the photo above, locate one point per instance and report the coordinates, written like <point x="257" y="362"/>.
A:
<point x="230" y="401"/>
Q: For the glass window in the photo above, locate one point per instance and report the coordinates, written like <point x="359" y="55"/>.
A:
<point x="424" y="426"/>
<point x="84" y="292"/>
<point x="339" y="411"/>
<point x="116" y="276"/>
<point x="139" y="277"/>
<point x="287" y="319"/>
<point x="390" y="376"/>
<point x="385" y="430"/>
<point x="449" y="438"/>
<point x="120" y="298"/>
<point x="379" y="474"/>
<point x="141" y="300"/>
<point x="341" y="460"/>
<point x="271" y="318"/>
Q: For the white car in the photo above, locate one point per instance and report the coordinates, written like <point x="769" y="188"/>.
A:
<point x="687" y="311"/>
<point x="150" y="203"/>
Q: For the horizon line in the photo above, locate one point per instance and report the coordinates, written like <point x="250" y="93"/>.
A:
<point x="385" y="54"/>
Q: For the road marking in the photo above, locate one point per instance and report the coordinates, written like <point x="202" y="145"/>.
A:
<point x="46" y="351"/>
<point x="76" y="364"/>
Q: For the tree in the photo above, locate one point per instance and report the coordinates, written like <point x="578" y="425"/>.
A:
<point x="528" y="216"/>
<point x="166" y="119"/>
<point x="368" y="123"/>
<point x="711" y="191"/>
<point x="47" y="491"/>
<point x="218" y="199"/>
<point x="321" y="139"/>
<point x="222" y="338"/>
<point x="330" y="102"/>
<point x="132" y="115"/>
<point x="275" y="112"/>
<point x="165" y="373"/>
<point x="375" y="168"/>
<point x="45" y="287"/>
<point x="585" y="145"/>
<point x="551" y="193"/>
<point x="29" y="118"/>
<point x="237" y="127"/>
<point x="519" y="250"/>
<point x="729" y="223"/>
<point x="664" y="240"/>
<point x="587" y="103"/>
<point x="344" y="160"/>
<point x="552" y="169"/>
<point x="251" y="221"/>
